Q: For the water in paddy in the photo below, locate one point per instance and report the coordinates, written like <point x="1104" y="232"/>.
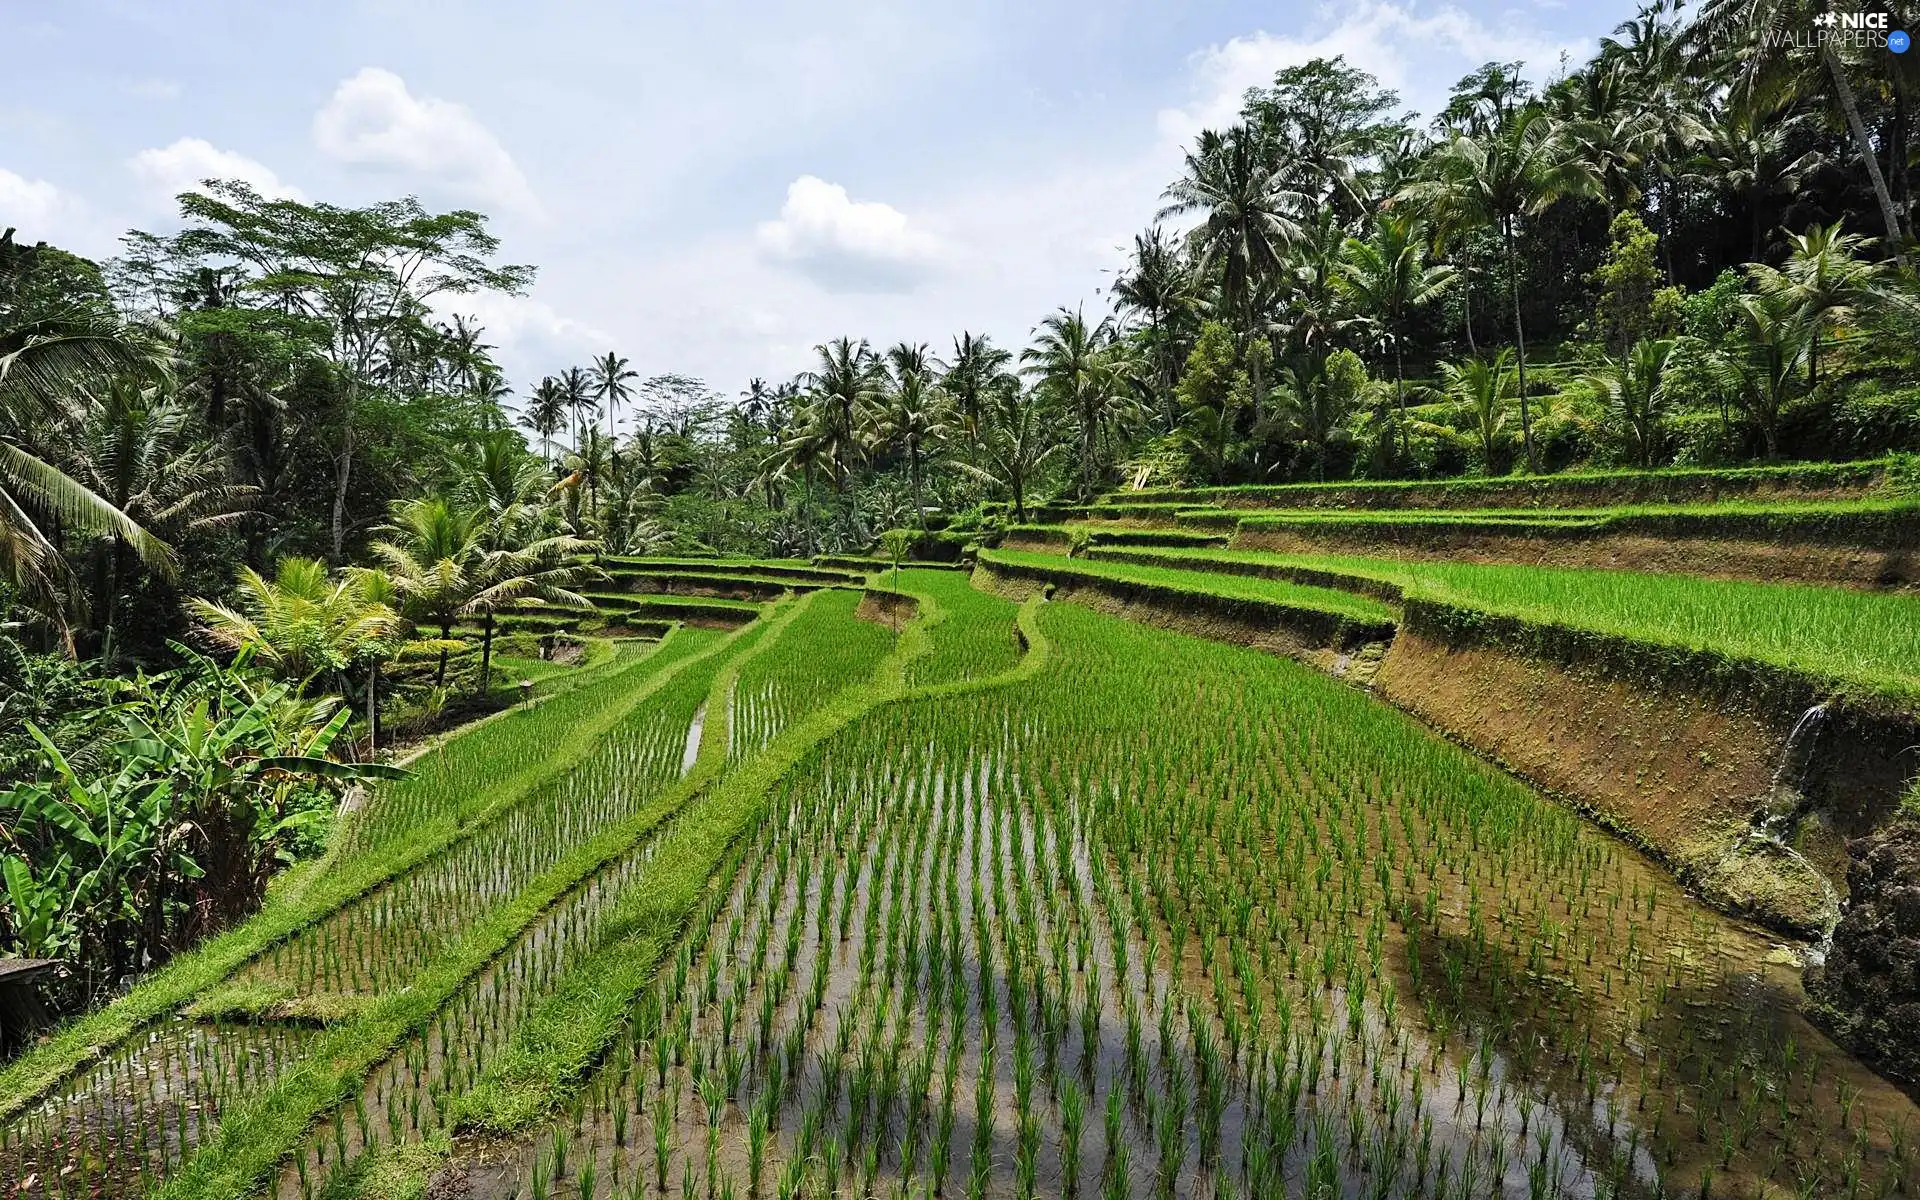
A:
<point x="1264" y="939"/>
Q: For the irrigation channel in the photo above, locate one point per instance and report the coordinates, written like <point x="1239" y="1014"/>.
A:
<point x="1160" y="918"/>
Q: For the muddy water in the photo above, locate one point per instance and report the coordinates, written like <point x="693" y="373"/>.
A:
<point x="125" y="1123"/>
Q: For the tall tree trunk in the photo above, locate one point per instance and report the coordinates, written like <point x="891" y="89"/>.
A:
<point x="1837" y="71"/>
<point x="373" y="707"/>
<point x="486" y="653"/>
<point x="342" y="477"/>
<point x="1400" y="397"/>
<point x="440" y="673"/>
<point x="1520" y="348"/>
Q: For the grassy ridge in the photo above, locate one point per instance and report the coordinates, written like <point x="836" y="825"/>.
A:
<point x="1864" y="639"/>
<point x="565" y="725"/>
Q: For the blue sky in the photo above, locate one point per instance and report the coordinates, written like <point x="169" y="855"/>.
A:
<point x="708" y="188"/>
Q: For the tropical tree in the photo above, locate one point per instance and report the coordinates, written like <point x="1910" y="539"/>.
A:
<point x="1318" y="403"/>
<point x="1066" y="363"/>
<point x="1157" y="285"/>
<point x="1825" y="280"/>
<point x="848" y="382"/>
<point x="1516" y="169"/>
<point x="303" y="625"/>
<point x="1387" y="276"/>
<point x="54" y="347"/>
<point x="971" y="378"/>
<point x="578" y="388"/>
<point x="611" y="376"/>
<point x="546" y="413"/>
<point x="1634" y="390"/>
<point x="912" y="422"/>
<point x="1483" y="388"/>
<point x="1017" y="443"/>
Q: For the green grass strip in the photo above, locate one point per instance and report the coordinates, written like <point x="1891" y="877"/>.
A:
<point x="259" y="1130"/>
<point x="553" y="1050"/>
<point x="1245" y="589"/>
<point x="320" y="891"/>
<point x="1838" y="637"/>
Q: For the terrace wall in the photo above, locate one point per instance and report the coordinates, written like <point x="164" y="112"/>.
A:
<point x="1719" y="557"/>
<point x="1676" y="751"/>
<point x="1813" y="481"/>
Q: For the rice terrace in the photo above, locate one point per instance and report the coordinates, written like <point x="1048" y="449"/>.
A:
<point x="1404" y="686"/>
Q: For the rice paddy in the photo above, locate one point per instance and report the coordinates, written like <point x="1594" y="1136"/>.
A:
<point x="1870" y="640"/>
<point x="911" y="893"/>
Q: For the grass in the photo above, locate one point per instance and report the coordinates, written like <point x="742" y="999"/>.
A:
<point x="1271" y="593"/>
<point x="445" y="799"/>
<point x="261" y="1128"/>
<point x="1863" y="640"/>
<point x="1544" y="489"/>
<point x="1155" y="915"/>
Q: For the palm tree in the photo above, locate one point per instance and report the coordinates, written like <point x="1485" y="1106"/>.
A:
<point x="1747" y="153"/>
<point x="135" y="449"/>
<point x="801" y="453"/>
<point x="578" y="389"/>
<point x="302" y="624"/>
<point x="1516" y="170"/>
<point x="846" y="385"/>
<point x="611" y="374"/>
<point x="1017" y="443"/>
<point x="911" y="420"/>
<point x="436" y="553"/>
<point x="1825" y="279"/>
<point x="546" y="413"/>
<point x="1246" y="218"/>
<point x="970" y="379"/>
<point x="48" y="354"/>
<point x="1483" y="388"/>
<point x="1157" y="284"/>
<point x="495" y="474"/>
<point x="590" y="466"/>
<point x="1064" y="360"/>
<point x="1318" y="402"/>
<point x="1388" y="276"/>
<point x="1784" y="74"/>
<point x="1634" y="390"/>
<point x="1763" y="373"/>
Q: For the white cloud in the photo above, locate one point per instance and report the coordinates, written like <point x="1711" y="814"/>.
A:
<point x="373" y="120"/>
<point x="1418" y="55"/>
<point x="29" y="205"/>
<point x="164" y="172"/>
<point x="847" y="245"/>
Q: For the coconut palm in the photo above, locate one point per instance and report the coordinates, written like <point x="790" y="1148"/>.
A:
<point x="1389" y="279"/>
<point x="546" y="413"/>
<point x="1065" y="364"/>
<point x="50" y="354"/>
<point x="1763" y="371"/>
<point x="1516" y="170"/>
<point x="1017" y="442"/>
<point x="578" y="388"/>
<point x="302" y="624"/>
<point x="1247" y="219"/>
<point x="442" y="570"/>
<point x="1826" y="279"/>
<point x="848" y="382"/>
<point x="1484" y="389"/>
<point x="495" y="474"/>
<point x="1634" y="390"/>
<point x="970" y="379"/>
<point x="1822" y="77"/>
<point x="135" y="449"/>
<point x="611" y="375"/>
<point x="1158" y="285"/>
<point x="911" y="421"/>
